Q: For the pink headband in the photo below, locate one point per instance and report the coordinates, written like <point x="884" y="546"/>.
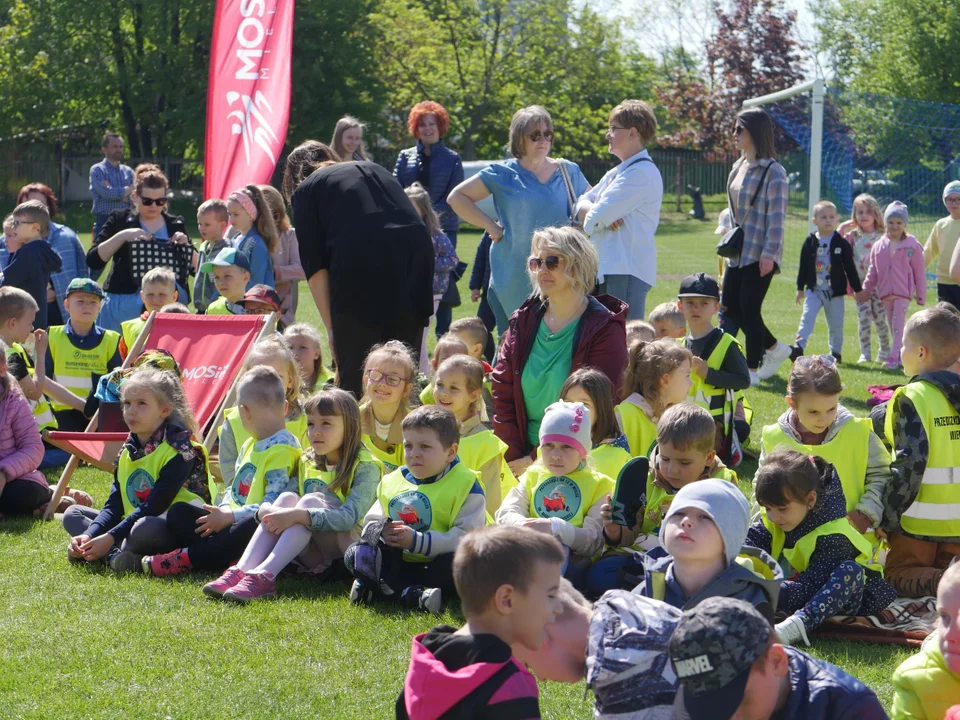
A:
<point x="246" y="202"/>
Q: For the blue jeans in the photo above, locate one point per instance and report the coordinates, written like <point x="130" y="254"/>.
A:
<point x="813" y="301"/>
<point x="631" y="290"/>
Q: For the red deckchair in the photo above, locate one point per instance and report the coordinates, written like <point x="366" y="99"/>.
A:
<point x="210" y="350"/>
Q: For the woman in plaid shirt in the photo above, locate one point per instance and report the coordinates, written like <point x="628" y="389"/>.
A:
<point x="747" y="279"/>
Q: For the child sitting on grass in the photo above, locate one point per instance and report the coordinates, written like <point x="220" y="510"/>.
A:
<point x="423" y="511"/>
<point x="389" y="372"/>
<point x="561" y="494"/>
<point x="804" y="524"/>
<point x="928" y="684"/>
<point x="508" y="579"/>
<point x="474" y="335"/>
<point x="313" y="527"/>
<point x="668" y="321"/>
<point x="231" y="275"/>
<point x="447" y="346"/>
<point x="212" y="221"/>
<point x="304" y="341"/>
<point x="157" y="289"/>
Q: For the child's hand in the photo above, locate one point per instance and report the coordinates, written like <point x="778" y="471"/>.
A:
<point x="282" y="519"/>
<point x="861" y="297"/>
<point x="799" y="297"/>
<point x="610" y="528"/>
<point x="519" y="466"/>
<point x="73" y="548"/>
<point x="398" y="535"/>
<point x="214" y="521"/>
<point x="544" y="525"/>
<point x="96" y="548"/>
<point x="40" y="342"/>
<point x="475" y="295"/>
<point x="699" y="367"/>
<point x="860" y="521"/>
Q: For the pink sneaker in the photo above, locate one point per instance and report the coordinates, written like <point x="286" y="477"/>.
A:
<point x="231" y="576"/>
<point x="253" y="586"/>
<point x="171" y="563"/>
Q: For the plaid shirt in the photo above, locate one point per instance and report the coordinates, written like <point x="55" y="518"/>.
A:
<point x="763" y="225"/>
<point x="108" y="199"/>
<point x="67" y="244"/>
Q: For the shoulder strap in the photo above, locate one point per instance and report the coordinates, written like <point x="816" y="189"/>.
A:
<point x="756" y="194"/>
<point x="568" y="184"/>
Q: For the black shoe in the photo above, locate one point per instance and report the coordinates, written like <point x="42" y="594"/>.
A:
<point x="836" y="356"/>
<point x="795" y="352"/>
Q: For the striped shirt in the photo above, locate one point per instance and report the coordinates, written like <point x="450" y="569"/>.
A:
<point x="108" y="199"/>
<point x="763" y="223"/>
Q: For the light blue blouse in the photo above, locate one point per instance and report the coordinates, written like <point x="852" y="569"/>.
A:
<point x="261" y="265"/>
<point x="523" y="204"/>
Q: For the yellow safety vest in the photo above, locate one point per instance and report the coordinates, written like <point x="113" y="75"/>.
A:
<point x="568" y="497"/>
<point x="712" y="398"/>
<point x="42" y="412"/>
<point x="250" y="482"/>
<point x="136" y="478"/>
<point x="297" y="427"/>
<point x="219" y="307"/>
<point x="936" y="510"/>
<point x="73" y="368"/>
<point x="324" y="378"/>
<point x="426" y="506"/>
<point x="478" y="449"/>
<point x="311" y="479"/>
<point x="426" y="395"/>
<point x="799" y="555"/>
<point x="658" y="500"/>
<point x="640" y="430"/>
<point x="391" y="457"/>
<point x="130" y="330"/>
<point x="609" y="459"/>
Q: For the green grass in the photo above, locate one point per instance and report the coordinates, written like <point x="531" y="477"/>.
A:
<point x="81" y="642"/>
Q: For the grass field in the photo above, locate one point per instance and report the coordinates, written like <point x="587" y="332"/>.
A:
<point x="84" y="643"/>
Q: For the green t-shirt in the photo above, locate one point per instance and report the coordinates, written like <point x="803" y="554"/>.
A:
<point x="546" y="370"/>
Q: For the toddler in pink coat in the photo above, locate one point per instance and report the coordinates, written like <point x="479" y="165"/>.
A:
<point x="897" y="274"/>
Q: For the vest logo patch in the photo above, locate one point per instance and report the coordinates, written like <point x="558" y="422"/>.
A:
<point x="412" y="508"/>
<point x="314" y="485"/>
<point x="242" y="482"/>
<point x="557" y="497"/>
<point x="139" y="486"/>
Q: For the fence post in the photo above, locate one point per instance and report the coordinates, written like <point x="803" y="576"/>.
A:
<point x="679" y="183"/>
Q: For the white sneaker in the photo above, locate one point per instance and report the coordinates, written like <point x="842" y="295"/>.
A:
<point x="754" y="379"/>
<point x="772" y="360"/>
<point x="863" y="360"/>
<point x="359" y="595"/>
<point x="791" y="631"/>
<point x="431" y="600"/>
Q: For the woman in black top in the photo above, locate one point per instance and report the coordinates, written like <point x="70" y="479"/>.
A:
<point x="367" y="255"/>
<point x="147" y="222"/>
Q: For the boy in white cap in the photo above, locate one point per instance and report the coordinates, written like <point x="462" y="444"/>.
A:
<point x="941" y="243"/>
<point x="560" y="494"/>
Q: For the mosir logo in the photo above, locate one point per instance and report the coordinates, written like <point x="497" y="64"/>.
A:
<point x="242" y="125"/>
<point x="205" y="372"/>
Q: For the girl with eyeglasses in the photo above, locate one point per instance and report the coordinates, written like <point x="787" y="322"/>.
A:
<point x="388" y="376"/>
<point x="148" y="221"/>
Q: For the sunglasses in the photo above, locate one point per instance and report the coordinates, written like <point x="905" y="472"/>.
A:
<point x="375" y="376"/>
<point x="537" y="136"/>
<point x="159" y="202"/>
<point x="805" y="361"/>
<point x="552" y="262"/>
<point x="739" y="129"/>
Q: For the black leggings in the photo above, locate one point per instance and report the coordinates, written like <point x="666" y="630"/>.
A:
<point x="22" y="497"/>
<point x="743" y="294"/>
<point x="399" y="574"/>
<point x="214" y="552"/>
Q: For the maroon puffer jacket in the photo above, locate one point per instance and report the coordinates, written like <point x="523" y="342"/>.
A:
<point x="600" y="342"/>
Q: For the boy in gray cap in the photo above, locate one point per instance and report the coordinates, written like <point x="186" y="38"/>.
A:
<point x="729" y="665"/>
<point x="703" y="532"/>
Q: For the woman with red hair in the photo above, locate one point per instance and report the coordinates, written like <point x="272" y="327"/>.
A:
<point x="439" y="170"/>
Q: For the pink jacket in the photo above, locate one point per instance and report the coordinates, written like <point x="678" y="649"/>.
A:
<point x="903" y="275"/>
<point x="21" y="448"/>
<point x="286" y="273"/>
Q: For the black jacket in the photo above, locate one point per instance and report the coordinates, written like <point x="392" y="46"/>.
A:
<point x="842" y="267"/>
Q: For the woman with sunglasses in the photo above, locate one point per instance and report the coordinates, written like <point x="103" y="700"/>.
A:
<point x="559" y="329"/>
<point x="147" y="221"/>
<point x="529" y="192"/>
<point x="757" y="194"/>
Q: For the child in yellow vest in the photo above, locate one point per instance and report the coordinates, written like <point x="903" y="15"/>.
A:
<point x="928" y="684"/>
<point x="668" y="321"/>
<point x="684" y="454"/>
<point x="458" y="383"/>
<point x="658" y="376"/>
<point x="231" y="274"/>
<point x="609" y="448"/>
<point x="212" y="537"/>
<point x="161" y="466"/>
<point x="389" y="372"/>
<point x="817" y="424"/>
<point x="922" y="423"/>
<point x="475" y="336"/>
<point x="561" y="493"/>
<point x="423" y="510"/>
<point x="310" y="529"/>
<point x="828" y="564"/>
<point x="157" y="289"/>
<point x="447" y="346"/>
<point x="79" y="352"/>
<point x="304" y="341"/>
<point x="269" y="352"/>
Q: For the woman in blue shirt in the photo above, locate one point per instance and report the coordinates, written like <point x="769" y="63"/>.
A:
<point x="529" y="193"/>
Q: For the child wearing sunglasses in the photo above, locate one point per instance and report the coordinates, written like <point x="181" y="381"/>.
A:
<point x="815" y="423"/>
<point x="388" y="376"/>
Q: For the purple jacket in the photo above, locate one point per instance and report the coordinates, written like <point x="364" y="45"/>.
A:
<point x="21" y="448"/>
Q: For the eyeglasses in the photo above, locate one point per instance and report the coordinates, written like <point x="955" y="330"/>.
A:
<point x="159" y="202"/>
<point x="806" y="361"/>
<point x="17" y="223"/>
<point x="551" y="261"/>
<point x="375" y="376"/>
<point x="952" y="199"/>
<point x="613" y="128"/>
<point x="537" y="136"/>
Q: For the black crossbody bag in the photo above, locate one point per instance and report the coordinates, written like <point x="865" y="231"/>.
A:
<point x="731" y="244"/>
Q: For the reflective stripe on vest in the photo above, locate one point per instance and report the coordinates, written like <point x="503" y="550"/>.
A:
<point x="640" y="430"/>
<point x="311" y="479"/>
<point x="710" y="397"/>
<point x="658" y="501"/>
<point x="42" y="412"/>
<point x="936" y="510"/>
<point x="136" y="478"/>
<point x="250" y="482"/>
<point x="799" y="555"/>
<point x="568" y="497"/>
<point x="74" y="368"/>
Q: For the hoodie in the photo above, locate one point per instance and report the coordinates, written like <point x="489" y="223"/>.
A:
<point x="878" y="475"/>
<point x="830" y="551"/>
<point x="465" y="677"/>
<point x="753" y="576"/>
<point x="911" y="446"/>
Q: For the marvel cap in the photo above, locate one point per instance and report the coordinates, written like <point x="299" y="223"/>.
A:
<point x="262" y="294"/>
<point x="699" y="285"/>
<point x="712" y="650"/>
<point x="226" y="258"/>
<point x="84" y="285"/>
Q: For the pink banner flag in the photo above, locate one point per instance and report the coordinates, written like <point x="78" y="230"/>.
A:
<point x="248" y="95"/>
